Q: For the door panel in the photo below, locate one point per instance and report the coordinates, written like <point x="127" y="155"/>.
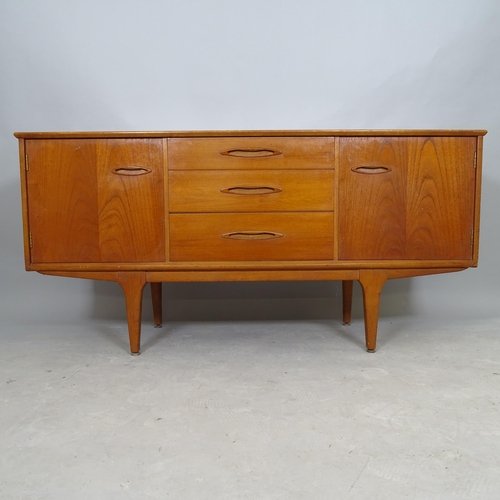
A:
<point x="130" y="200"/>
<point x="373" y="178"/>
<point x="412" y="198"/>
<point x="440" y="208"/>
<point x="62" y="200"/>
<point x="80" y="211"/>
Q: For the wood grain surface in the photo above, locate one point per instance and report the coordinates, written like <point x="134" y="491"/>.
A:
<point x="422" y="207"/>
<point x="80" y="211"/>
<point x="131" y="219"/>
<point x="198" y="237"/>
<point x="207" y="191"/>
<point x="207" y="153"/>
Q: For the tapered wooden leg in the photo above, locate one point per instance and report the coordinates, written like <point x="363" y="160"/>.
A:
<point x="133" y="284"/>
<point x="157" y="305"/>
<point x="347" y="301"/>
<point x="372" y="282"/>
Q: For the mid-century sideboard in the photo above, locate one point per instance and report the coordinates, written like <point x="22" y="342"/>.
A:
<point x="153" y="207"/>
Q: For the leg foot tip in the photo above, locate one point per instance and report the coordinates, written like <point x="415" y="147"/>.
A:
<point x="370" y="350"/>
<point x="346" y="323"/>
<point x="135" y="353"/>
<point x="159" y="325"/>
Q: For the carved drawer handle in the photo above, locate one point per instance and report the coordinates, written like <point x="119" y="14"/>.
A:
<point x="370" y="169"/>
<point x="252" y="190"/>
<point x="252" y="152"/>
<point x="132" y="171"/>
<point x="252" y="235"/>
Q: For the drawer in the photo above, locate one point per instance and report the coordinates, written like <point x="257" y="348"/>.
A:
<point x="250" y="190"/>
<point x="251" y="237"/>
<point x="251" y="152"/>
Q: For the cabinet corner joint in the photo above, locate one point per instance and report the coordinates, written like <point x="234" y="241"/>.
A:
<point x="26" y="163"/>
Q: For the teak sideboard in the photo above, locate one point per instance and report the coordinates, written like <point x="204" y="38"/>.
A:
<point x="153" y="207"/>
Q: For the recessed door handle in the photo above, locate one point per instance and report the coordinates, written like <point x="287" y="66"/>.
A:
<point x="371" y="169"/>
<point x="132" y="170"/>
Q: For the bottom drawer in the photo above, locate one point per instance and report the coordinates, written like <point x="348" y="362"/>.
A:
<point x="250" y="236"/>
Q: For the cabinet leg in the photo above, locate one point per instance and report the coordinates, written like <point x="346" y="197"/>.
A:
<point x="157" y="305"/>
<point x="133" y="284"/>
<point x="347" y="301"/>
<point x="372" y="282"/>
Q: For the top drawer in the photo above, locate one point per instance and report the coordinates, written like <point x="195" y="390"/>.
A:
<point x="251" y="152"/>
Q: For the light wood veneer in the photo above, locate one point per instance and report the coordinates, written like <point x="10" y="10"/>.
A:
<point x="153" y="207"/>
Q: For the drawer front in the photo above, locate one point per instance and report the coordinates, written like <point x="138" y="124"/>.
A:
<point x="251" y="237"/>
<point x="250" y="190"/>
<point x="251" y="153"/>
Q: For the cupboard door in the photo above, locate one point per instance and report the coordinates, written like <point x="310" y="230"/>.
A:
<point x="95" y="200"/>
<point x="62" y="200"/>
<point x="440" y="203"/>
<point x="372" y="198"/>
<point x="406" y="198"/>
<point x="130" y="200"/>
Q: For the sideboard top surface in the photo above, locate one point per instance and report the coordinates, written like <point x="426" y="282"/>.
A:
<point x="252" y="133"/>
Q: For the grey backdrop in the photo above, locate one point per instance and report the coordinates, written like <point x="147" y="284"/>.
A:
<point x="234" y="64"/>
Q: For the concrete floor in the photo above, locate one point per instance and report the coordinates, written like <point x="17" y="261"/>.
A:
<point x="251" y="410"/>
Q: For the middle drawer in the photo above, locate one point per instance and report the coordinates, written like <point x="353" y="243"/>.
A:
<point x="250" y="190"/>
